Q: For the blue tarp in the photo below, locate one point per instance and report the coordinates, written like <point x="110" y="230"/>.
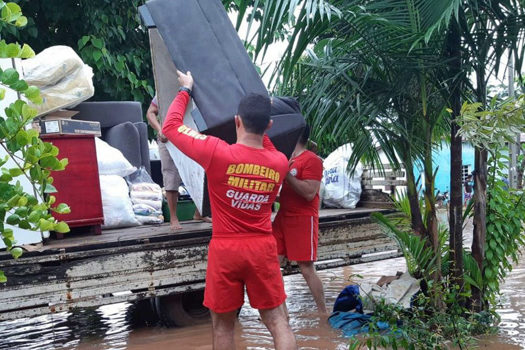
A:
<point x="353" y="323"/>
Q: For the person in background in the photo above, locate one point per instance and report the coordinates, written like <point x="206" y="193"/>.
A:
<point x="467" y="187"/>
<point x="243" y="181"/>
<point x="296" y="225"/>
<point x="170" y="173"/>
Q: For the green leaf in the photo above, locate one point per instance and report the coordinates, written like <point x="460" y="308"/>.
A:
<point x="27" y="52"/>
<point x="34" y="217"/>
<point x="9" y="76"/>
<point x="13" y="50"/>
<point x="28" y="112"/>
<point x="61" y="227"/>
<point x="22" y="212"/>
<point x="21" y="138"/>
<point x="32" y="92"/>
<point x="98" y="43"/>
<point x="24" y="225"/>
<point x="62" y="208"/>
<point x="2" y="93"/>
<point x="21" y="21"/>
<point x="14" y="172"/>
<point x="50" y="189"/>
<point x="19" y="85"/>
<point x="13" y="200"/>
<point x="45" y="225"/>
<point x="16" y="252"/>
<point x="97" y="55"/>
<point x="3" y="279"/>
<point x="13" y="219"/>
<point x="83" y="41"/>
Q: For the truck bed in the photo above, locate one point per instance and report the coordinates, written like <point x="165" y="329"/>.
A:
<point x="142" y="262"/>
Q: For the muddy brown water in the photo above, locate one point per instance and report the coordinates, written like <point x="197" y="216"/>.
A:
<point x="118" y="327"/>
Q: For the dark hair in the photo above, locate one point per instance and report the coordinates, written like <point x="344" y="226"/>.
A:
<point x="303" y="139"/>
<point x="254" y="110"/>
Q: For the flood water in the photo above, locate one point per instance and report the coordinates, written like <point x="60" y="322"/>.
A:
<point x="115" y="326"/>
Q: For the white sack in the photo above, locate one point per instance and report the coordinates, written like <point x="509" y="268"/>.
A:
<point x="341" y="190"/>
<point x="117" y="207"/>
<point x="150" y="220"/>
<point x="63" y="79"/>
<point x="51" y="65"/>
<point x="111" y="161"/>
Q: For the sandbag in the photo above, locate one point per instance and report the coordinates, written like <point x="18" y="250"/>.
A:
<point x="111" y="161"/>
<point x="116" y="204"/>
<point x="150" y="220"/>
<point x="50" y="66"/>
<point x="341" y="188"/>
<point x="63" y="79"/>
<point x="146" y="197"/>
<point x="145" y="210"/>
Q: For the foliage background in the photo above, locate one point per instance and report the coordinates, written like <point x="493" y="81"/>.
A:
<point x="107" y="35"/>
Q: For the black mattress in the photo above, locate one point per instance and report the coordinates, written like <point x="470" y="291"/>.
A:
<point x="200" y="38"/>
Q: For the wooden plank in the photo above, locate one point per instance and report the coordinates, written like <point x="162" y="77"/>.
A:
<point x="370" y="174"/>
<point x="384" y="182"/>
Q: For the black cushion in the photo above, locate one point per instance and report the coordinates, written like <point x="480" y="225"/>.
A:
<point x="109" y="113"/>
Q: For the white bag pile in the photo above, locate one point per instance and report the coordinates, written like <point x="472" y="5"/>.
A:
<point x="341" y="189"/>
<point x="62" y="77"/>
<point x="147" y="202"/>
<point x="116" y="203"/>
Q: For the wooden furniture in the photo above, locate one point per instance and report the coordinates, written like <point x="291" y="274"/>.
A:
<point x="79" y="185"/>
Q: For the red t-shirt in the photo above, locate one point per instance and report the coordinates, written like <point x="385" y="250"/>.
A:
<point x="242" y="181"/>
<point x="306" y="166"/>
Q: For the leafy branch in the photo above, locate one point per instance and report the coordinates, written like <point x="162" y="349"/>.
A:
<point x="26" y="154"/>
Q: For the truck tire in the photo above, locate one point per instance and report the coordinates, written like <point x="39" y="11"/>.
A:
<point x="182" y="310"/>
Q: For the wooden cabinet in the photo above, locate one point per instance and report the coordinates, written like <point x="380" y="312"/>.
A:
<point x="78" y="185"/>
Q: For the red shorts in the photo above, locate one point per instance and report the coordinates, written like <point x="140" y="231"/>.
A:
<point x="249" y="260"/>
<point x="296" y="236"/>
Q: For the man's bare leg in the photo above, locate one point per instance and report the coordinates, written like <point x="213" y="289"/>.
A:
<point x="173" y="198"/>
<point x="285" y="308"/>
<point x="314" y="283"/>
<point x="223" y="329"/>
<point x="277" y="323"/>
<point x="199" y="217"/>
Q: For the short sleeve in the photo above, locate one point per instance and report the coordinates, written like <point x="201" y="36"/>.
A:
<point x="312" y="168"/>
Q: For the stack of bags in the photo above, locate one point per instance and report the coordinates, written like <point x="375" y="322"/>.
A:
<point x="147" y="202"/>
<point x="112" y="168"/>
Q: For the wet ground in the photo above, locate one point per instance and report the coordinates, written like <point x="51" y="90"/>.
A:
<point x="116" y="326"/>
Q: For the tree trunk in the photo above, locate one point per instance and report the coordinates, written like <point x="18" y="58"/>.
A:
<point x="430" y="208"/>
<point x="413" y="198"/>
<point x="480" y="220"/>
<point x="520" y="174"/>
<point x="456" y="159"/>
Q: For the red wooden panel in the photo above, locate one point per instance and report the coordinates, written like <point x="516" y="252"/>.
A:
<point x="78" y="185"/>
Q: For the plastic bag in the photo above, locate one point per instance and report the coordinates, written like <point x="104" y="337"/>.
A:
<point x="341" y="190"/>
<point x="157" y="205"/>
<point x="117" y="207"/>
<point x="147" y="195"/>
<point x="141" y="176"/>
<point x="64" y="80"/>
<point x="145" y="210"/>
<point x="51" y="65"/>
<point x="111" y="161"/>
<point x="150" y="220"/>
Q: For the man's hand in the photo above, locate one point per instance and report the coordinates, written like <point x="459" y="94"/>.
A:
<point x="162" y="138"/>
<point x="185" y="80"/>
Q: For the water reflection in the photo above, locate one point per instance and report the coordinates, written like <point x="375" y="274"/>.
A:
<point x="122" y="326"/>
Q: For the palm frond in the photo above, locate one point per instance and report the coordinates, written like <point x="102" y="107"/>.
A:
<point x="420" y="258"/>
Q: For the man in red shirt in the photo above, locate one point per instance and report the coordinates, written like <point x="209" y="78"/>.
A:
<point x="296" y="226"/>
<point x="243" y="180"/>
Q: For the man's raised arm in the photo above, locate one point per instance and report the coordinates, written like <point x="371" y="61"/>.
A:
<point x="197" y="146"/>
